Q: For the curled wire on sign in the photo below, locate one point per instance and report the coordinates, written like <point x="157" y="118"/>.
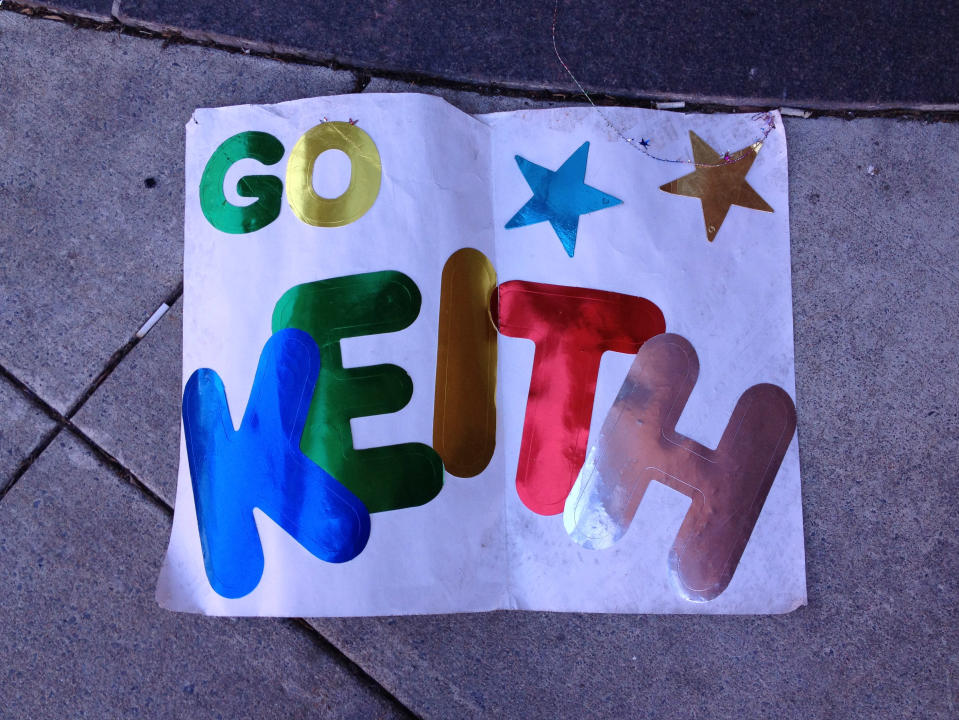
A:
<point x="766" y="118"/>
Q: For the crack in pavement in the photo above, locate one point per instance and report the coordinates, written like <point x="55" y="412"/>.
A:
<point x="64" y="422"/>
<point x="363" y="75"/>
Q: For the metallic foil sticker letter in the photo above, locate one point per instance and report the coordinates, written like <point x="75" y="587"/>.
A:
<point x="384" y="478"/>
<point x="365" y="172"/>
<point x="260" y="465"/>
<point x="464" y="414"/>
<point x="572" y="328"/>
<point x="638" y="443"/>
<point x="267" y="188"/>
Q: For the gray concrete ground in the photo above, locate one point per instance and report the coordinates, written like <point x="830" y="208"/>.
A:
<point x="90" y="246"/>
<point x="806" y="53"/>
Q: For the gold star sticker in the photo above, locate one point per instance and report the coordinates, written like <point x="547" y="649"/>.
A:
<point x="719" y="184"/>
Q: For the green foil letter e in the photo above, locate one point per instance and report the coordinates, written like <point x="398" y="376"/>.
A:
<point x="268" y="189"/>
<point x="384" y="478"/>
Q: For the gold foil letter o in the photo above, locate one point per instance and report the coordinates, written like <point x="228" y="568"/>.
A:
<point x="365" y="174"/>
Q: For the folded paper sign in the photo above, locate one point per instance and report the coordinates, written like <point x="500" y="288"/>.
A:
<point x="433" y="363"/>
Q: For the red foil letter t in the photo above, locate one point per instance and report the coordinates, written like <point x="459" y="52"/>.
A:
<point x="572" y="328"/>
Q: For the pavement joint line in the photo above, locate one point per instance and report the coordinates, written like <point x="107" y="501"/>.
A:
<point x="119" y="468"/>
<point x="318" y="638"/>
<point x="356" y="670"/>
<point x="25" y="464"/>
<point x="693" y="103"/>
<point x="64" y="423"/>
<point x="51" y="412"/>
<point x="362" y="81"/>
<point x="32" y="396"/>
<point x="64" y="420"/>
<point x="117" y="357"/>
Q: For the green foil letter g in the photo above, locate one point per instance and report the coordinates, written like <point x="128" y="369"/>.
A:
<point x="268" y="189"/>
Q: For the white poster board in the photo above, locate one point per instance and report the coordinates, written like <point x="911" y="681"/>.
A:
<point x="450" y="181"/>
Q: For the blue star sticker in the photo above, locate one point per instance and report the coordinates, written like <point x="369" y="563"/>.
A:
<point x="560" y="197"/>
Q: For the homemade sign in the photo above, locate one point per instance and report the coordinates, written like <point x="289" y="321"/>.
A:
<point x="405" y="329"/>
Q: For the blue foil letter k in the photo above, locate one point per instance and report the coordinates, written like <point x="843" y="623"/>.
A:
<point x="260" y="465"/>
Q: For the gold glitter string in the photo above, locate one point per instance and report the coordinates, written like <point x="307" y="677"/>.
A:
<point x="766" y="118"/>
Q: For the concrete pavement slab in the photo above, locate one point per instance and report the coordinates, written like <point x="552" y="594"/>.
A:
<point x="22" y="425"/>
<point x="135" y="414"/>
<point x="813" y="53"/>
<point x="100" y="10"/>
<point x="82" y="636"/>
<point x="91" y="218"/>
<point x="876" y="294"/>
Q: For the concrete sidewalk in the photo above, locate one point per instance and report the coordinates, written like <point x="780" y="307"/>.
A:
<point x="91" y="207"/>
<point x="805" y="53"/>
